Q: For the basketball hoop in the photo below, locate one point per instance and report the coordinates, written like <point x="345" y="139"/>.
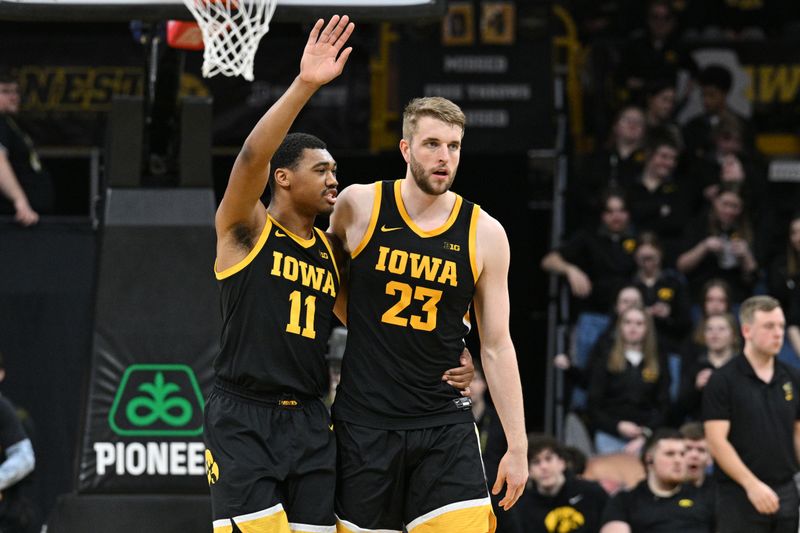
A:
<point x="231" y="32"/>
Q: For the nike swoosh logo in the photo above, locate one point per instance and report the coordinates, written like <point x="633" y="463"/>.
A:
<point x="575" y="499"/>
<point x="385" y="229"/>
<point x="279" y="234"/>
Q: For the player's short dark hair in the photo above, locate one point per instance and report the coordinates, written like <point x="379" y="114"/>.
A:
<point x="290" y="152"/>
<point x="574" y="458"/>
<point x="658" y="435"/>
<point x="716" y="76"/>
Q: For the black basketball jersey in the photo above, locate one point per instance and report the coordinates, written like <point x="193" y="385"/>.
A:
<point x="408" y="312"/>
<point x="277" y="308"/>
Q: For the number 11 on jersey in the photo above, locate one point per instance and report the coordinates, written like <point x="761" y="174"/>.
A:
<point x="295" y="299"/>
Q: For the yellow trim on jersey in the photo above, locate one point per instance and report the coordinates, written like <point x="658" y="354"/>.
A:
<point x="398" y="197"/>
<point x="473" y="241"/>
<point x="262" y="239"/>
<point x="305" y="243"/>
<point x="373" y="220"/>
<point x="324" y="240"/>
<point x="223" y="526"/>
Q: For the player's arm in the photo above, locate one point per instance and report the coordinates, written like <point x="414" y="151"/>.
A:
<point x="343" y="265"/>
<point x="351" y="217"/>
<point x="616" y="527"/>
<point x="759" y="493"/>
<point x="11" y="189"/>
<point x="498" y="355"/>
<point x="321" y="63"/>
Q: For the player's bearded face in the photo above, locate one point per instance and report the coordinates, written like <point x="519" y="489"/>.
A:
<point x="431" y="181"/>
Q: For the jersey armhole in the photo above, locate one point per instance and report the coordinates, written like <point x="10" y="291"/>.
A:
<point x="373" y="220"/>
<point x="327" y="244"/>
<point x="262" y="239"/>
<point x="473" y="238"/>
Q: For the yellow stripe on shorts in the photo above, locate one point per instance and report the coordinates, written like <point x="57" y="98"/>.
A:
<point x="272" y="520"/>
<point x="471" y="516"/>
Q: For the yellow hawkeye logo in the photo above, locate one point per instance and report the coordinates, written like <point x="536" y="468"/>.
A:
<point x="386" y="230"/>
<point x="212" y="469"/>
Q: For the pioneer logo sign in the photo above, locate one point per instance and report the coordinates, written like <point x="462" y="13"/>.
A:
<point x="157" y="401"/>
<point x="154" y="406"/>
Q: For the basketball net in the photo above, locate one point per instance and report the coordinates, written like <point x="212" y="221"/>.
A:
<point x="231" y="31"/>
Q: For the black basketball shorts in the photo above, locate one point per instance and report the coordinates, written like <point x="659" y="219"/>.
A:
<point x="270" y="463"/>
<point x="432" y="479"/>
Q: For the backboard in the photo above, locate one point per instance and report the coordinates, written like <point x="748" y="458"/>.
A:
<point x="287" y="11"/>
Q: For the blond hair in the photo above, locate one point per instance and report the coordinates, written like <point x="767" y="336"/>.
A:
<point x="756" y="303"/>
<point x="616" y="357"/>
<point x="431" y="106"/>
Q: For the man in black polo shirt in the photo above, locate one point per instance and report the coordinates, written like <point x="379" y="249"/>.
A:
<point x="663" y="502"/>
<point x="560" y="503"/>
<point x="751" y="408"/>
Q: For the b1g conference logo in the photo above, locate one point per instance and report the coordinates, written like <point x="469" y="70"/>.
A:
<point x="153" y="405"/>
<point x="157" y="401"/>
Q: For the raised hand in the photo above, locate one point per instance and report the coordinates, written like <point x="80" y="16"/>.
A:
<point x="322" y="60"/>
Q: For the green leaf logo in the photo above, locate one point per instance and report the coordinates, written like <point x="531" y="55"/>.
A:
<point x="157" y="400"/>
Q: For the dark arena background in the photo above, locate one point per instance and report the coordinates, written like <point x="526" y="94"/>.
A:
<point x="114" y="288"/>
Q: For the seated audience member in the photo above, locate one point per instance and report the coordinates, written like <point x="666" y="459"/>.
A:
<point x="715" y="85"/>
<point x="614" y="166"/>
<point x="629" y="387"/>
<point x="665" y="294"/>
<point x="655" y="53"/>
<point x="784" y="284"/>
<point x="596" y="262"/>
<point x="663" y="502"/>
<point x="728" y="162"/>
<point x="25" y="187"/>
<point x="714" y="299"/>
<point x="628" y="296"/>
<point x="719" y="245"/>
<point x="660" y="110"/>
<point x="722" y="343"/>
<point x="658" y="201"/>
<point x="558" y="501"/>
<point x="698" y="458"/>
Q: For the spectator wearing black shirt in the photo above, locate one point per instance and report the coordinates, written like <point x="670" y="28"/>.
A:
<point x="719" y="245"/>
<point x="629" y="387"/>
<point x="721" y="345"/>
<point x="751" y="408"/>
<point x="715" y="299"/>
<point x="25" y="187"/>
<point x="654" y="53"/>
<point x="596" y="262"/>
<point x="663" y="502"/>
<point x="665" y="294"/>
<point x="558" y="501"/>
<point x="615" y="166"/>
<point x="659" y="112"/>
<point x="715" y="85"/>
<point x="698" y="458"/>
<point x="658" y="200"/>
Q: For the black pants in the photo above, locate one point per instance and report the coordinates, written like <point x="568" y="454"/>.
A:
<point x="735" y="513"/>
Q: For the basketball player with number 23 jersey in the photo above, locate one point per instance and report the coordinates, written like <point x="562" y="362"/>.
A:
<point x="420" y="255"/>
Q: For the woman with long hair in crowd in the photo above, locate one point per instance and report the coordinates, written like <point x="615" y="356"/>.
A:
<point x="629" y="387"/>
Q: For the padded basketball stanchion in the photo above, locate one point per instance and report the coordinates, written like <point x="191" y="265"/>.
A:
<point x="155" y="335"/>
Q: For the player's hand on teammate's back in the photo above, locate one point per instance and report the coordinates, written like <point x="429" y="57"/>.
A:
<point x="763" y="497"/>
<point x="460" y="377"/>
<point x="513" y="471"/>
<point x="319" y="63"/>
